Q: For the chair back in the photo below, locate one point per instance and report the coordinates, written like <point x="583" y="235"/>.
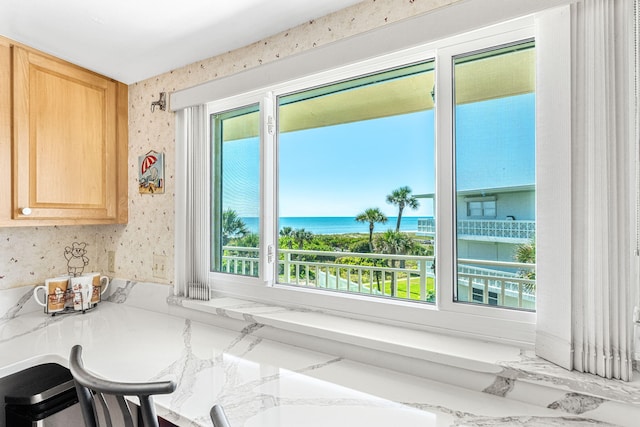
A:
<point x="218" y="417"/>
<point x="91" y="388"/>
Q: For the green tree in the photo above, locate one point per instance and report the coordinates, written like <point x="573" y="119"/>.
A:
<point x="371" y="262"/>
<point x="287" y="234"/>
<point x="233" y="227"/>
<point x="372" y="216"/>
<point x="300" y="235"/>
<point x="251" y="240"/>
<point x="394" y="243"/>
<point x="402" y="198"/>
<point x="526" y="253"/>
<point x="359" y="245"/>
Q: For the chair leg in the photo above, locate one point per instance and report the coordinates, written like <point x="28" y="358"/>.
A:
<point x="86" y="406"/>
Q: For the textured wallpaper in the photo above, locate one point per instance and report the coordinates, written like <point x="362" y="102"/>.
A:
<point x="29" y="255"/>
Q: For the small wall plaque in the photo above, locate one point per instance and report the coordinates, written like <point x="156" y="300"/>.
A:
<point x="151" y="173"/>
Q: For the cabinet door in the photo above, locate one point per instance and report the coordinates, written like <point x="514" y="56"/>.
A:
<point x="65" y="142"/>
<point x="5" y="130"/>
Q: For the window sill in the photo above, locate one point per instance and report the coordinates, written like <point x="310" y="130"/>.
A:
<point x="422" y="345"/>
<point x="488" y="367"/>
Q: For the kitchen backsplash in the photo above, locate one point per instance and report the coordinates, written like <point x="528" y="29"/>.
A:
<point x="29" y="255"/>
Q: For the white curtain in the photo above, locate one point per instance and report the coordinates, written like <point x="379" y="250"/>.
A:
<point x="604" y="189"/>
<point x="192" y="201"/>
<point x="636" y="54"/>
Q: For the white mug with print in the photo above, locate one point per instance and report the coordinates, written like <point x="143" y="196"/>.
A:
<point x="82" y="287"/>
<point x="100" y="285"/>
<point x="54" y="293"/>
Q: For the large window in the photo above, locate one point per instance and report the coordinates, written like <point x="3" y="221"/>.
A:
<point x="350" y="174"/>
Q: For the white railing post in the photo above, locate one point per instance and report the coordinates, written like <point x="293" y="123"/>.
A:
<point x="423" y="279"/>
<point x="287" y="270"/>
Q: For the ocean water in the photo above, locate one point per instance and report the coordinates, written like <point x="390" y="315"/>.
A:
<point x="337" y="224"/>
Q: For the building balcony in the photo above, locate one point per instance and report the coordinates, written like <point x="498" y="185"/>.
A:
<point x="487" y="230"/>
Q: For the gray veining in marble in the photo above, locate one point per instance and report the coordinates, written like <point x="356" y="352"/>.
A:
<point x="120" y="295"/>
<point x="46" y="321"/>
<point x="439" y="408"/>
<point x="467" y="419"/>
<point x="222" y="312"/>
<point x="576" y="403"/>
<point x="534" y="369"/>
<point x="175" y="300"/>
<point x="500" y="387"/>
<point x="249" y="318"/>
<point x="243" y="394"/>
<point x="185" y="369"/>
<point x="15" y="309"/>
<point x="528" y="421"/>
<point x="237" y="392"/>
<point x="188" y="366"/>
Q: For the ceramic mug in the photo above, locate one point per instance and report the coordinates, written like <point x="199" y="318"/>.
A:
<point x="54" y="292"/>
<point x="82" y="287"/>
<point x="100" y="285"/>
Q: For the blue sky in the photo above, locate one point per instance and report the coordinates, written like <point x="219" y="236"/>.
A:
<point x="343" y="170"/>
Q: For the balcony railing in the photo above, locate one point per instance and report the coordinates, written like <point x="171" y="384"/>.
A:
<point x="512" y="231"/>
<point x="496" y="283"/>
<point x="407" y="277"/>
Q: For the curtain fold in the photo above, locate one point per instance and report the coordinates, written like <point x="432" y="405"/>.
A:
<point x="192" y="201"/>
<point x="604" y="190"/>
<point x="636" y="83"/>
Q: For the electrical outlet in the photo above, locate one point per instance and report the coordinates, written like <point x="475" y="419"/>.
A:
<point x="111" y="261"/>
<point x="159" y="266"/>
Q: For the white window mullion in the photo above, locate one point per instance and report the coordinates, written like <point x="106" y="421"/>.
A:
<point x="269" y="223"/>
<point x="445" y="213"/>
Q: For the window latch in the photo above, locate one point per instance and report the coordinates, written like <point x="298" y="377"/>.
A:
<point x="270" y="254"/>
<point x="270" y="125"/>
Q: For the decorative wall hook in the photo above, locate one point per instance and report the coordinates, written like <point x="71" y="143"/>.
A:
<point x="162" y="102"/>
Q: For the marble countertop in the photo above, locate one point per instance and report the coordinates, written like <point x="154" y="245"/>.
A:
<point x="260" y="382"/>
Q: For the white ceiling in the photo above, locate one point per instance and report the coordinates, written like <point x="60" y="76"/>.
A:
<point x="131" y="40"/>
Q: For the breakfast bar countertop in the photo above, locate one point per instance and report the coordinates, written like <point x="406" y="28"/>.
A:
<point x="260" y="382"/>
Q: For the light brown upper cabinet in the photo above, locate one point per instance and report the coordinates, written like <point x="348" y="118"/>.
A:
<point x="68" y="143"/>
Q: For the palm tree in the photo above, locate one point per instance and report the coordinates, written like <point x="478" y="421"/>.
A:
<point x="526" y="253"/>
<point x="251" y="240"/>
<point x="301" y="235"/>
<point x="288" y="233"/>
<point x="402" y="198"/>
<point x="372" y="216"/>
<point x="232" y="226"/>
<point x="394" y="243"/>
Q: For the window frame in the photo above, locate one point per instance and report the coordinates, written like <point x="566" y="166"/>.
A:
<point x="457" y="318"/>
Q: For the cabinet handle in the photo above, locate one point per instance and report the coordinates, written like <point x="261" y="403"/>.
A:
<point x="26" y="211"/>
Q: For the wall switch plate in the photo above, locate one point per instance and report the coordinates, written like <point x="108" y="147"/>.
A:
<point x="159" y="266"/>
<point x="111" y="262"/>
